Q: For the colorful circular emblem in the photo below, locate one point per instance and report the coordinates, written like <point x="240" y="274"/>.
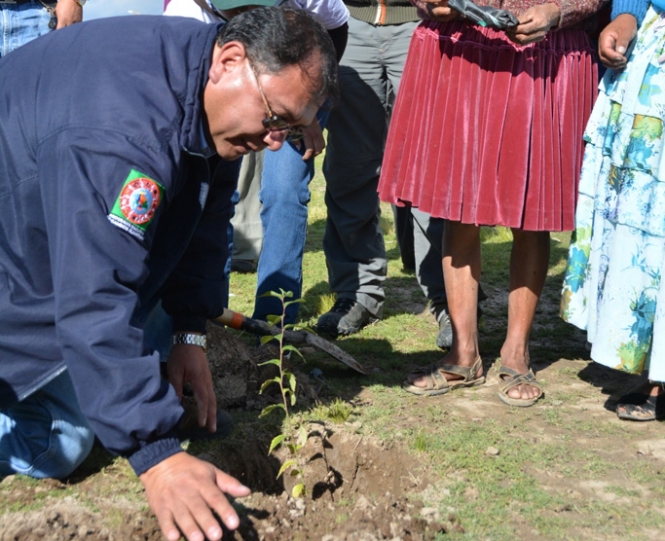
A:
<point x="139" y="200"/>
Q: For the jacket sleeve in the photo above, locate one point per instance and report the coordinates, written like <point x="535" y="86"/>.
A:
<point x="636" y="8"/>
<point x="97" y="268"/>
<point x="198" y="288"/>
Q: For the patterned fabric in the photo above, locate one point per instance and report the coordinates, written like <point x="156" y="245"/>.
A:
<point x="612" y="283"/>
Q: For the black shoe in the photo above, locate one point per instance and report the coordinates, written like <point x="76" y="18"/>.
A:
<point x="445" y="337"/>
<point x="345" y="317"/>
<point x="243" y="265"/>
<point x="189" y="428"/>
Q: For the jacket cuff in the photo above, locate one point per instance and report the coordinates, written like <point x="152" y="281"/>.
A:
<point x="636" y="8"/>
<point x="189" y="323"/>
<point x="151" y="454"/>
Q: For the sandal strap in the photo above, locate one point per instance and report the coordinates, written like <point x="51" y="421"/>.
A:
<point x="507" y="371"/>
<point x="435" y="380"/>
<point x="516" y="379"/>
<point x="468" y="373"/>
<point x="434" y="374"/>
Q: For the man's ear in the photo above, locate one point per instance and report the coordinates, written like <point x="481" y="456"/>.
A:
<point x="227" y="58"/>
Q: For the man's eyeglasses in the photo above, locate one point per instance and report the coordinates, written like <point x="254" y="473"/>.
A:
<point x="274" y="122"/>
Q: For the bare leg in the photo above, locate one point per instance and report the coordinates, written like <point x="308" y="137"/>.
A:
<point x="529" y="261"/>
<point x="461" y="272"/>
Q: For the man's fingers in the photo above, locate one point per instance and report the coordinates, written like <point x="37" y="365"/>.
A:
<point x="183" y="491"/>
<point x="212" y="413"/>
<point x="168" y="526"/>
<point x="215" y="500"/>
<point x="206" y="405"/>
<point x="230" y="485"/>
<point x="309" y="153"/>
<point x="313" y="148"/>
<point x="187" y="523"/>
<point x="199" y="518"/>
<point x="176" y="375"/>
<point x="212" y="497"/>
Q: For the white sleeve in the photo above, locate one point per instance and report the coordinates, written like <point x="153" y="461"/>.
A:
<point x="189" y="8"/>
<point x="330" y="13"/>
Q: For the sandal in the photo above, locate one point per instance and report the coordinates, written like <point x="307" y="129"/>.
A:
<point x="641" y="407"/>
<point x="513" y="379"/>
<point x="438" y="384"/>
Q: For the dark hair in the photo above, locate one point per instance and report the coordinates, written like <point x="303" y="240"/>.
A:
<point x="276" y="38"/>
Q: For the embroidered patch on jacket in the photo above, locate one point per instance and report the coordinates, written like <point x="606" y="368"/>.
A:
<point x="137" y="203"/>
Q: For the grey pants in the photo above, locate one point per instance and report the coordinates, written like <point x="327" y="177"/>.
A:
<point x="247" y="228"/>
<point x="369" y="77"/>
<point x="420" y="239"/>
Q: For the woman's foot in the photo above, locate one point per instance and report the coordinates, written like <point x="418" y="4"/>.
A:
<point x="643" y="403"/>
<point x="440" y="378"/>
<point x="519" y="386"/>
<point x="417" y="379"/>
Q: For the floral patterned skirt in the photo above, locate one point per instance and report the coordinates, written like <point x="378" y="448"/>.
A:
<point x="612" y="283"/>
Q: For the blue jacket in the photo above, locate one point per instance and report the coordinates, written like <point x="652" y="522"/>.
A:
<point x="108" y="200"/>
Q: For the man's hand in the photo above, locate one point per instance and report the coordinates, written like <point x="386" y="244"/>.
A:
<point x="68" y="12"/>
<point x="535" y="23"/>
<point x="312" y="139"/>
<point x="182" y="491"/>
<point x="438" y="10"/>
<point x="614" y="40"/>
<point x="189" y="364"/>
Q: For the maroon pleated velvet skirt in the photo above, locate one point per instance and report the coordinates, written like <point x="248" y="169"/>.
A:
<point x="489" y="133"/>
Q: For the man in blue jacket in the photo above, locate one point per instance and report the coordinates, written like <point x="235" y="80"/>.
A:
<point x="117" y="138"/>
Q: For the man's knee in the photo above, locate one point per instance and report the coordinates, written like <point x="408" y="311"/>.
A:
<point x="71" y="447"/>
<point x="46" y="434"/>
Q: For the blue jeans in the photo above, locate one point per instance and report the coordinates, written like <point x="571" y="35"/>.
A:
<point x="21" y="23"/>
<point x="46" y="434"/>
<point x="284" y="195"/>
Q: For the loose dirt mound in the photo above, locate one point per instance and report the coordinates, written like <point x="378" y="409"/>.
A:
<point x="356" y="488"/>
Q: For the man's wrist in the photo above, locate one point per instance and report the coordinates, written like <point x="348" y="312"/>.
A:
<point x="190" y="338"/>
<point x="151" y="454"/>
